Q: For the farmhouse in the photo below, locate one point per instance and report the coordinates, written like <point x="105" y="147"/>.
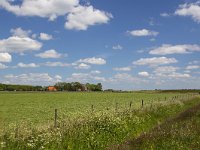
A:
<point x="51" y="88"/>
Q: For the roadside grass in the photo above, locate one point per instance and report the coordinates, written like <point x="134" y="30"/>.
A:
<point x="96" y="130"/>
<point x="178" y="133"/>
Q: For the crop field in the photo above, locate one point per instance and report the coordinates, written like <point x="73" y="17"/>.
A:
<point x="84" y="120"/>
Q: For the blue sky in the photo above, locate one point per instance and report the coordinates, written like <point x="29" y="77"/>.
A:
<point x="122" y="44"/>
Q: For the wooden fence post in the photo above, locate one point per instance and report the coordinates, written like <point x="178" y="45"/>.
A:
<point x="56" y="117"/>
<point x="130" y="105"/>
<point x="142" y="103"/>
<point x="92" y="108"/>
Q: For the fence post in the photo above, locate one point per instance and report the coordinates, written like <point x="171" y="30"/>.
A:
<point x="130" y="105"/>
<point x="142" y="103"/>
<point x="56" y="117"/>
<point x="92" y="108"/>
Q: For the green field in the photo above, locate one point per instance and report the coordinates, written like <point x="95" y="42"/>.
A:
<point x="39" y="107"/>
<point x="85" y="120"/>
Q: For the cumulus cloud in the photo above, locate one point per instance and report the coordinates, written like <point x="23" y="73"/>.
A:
<point x="93" y="60"/>
<point x="143" y="74"/>
<point x="179" y="75"/>
<point x="155" y="61"/>
<point x="31" y="65"/>
<point x="49" y="54"/>
<point x="31" y="78"/>
<point x="42" y="8"/>
<point x="165" y="69"/>
<point x="16" y="44"/>
<point x="95" y="72"/>
<point x="169" y="72"/>
<point x="5" y="57"/>
<point x="117" y="47"/>
<point x="166" y="49"/>
<point x="56" y="64"/>
<point x="82" y="66"/>
<point x="125" y="78"/>
<point x="143" y="32"/>
<point x="45" y="36"/>
<point x="190" y="10"/>
<point x="191" y="67"/>
<point x="122" y="69"/>
<point x="78" y="17"/>
<point x="165" y="15"/>
<point x="84" y="16"/>
<point x="58" y="78"/>
<point x="85" y="77"/>
<point x="19" y="32"/>
<point x="2" y="66"/>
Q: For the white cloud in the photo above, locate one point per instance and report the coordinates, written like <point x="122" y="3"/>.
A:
<point x="5" y="57"/>
<point x="117" y="47"/>
<point x="34" y="36"/>
<point x="17" y="44"/>
<point x="165" y="15"/>
<point x="192" y="67"/>
<point x="82" y="66"/>
<point x="169" y="72"/>
<point x="84" y="16"/>
<point x="122" y="69"/>
<point x="155" y="61"/>
<point x="42" y="8"/>
<point x="93" y="60"/>
<point x="95" y="72"/>
<point x="179" y="75"/>
<point x="143" y="32"/>
<point x="31" y="78"/>
<point x="193" y="62"/>
<point x="190" y="9"/>
<point x="58" y="78"/>
<point x="152" y="39"/>
<point x="56" y="64"/>
<point x="85" y="77"/>
<point x="166" y="49"/>
<point x="45" y="36"/>
<point x="31" y="65"/>
<point x="165" y="69"/>
<point x="143" y="74"/>
<point x="125" y="78"/>
<point x="78" y="17"/>
<point x="49" y="54"/>
<point x="19" y="32"/>
<point x="2" y="66"/>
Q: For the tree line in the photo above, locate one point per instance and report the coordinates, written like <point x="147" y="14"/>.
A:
<point x="11" y="87"/>
<point x="76" y="86"/>
<point x="60" y="86"/>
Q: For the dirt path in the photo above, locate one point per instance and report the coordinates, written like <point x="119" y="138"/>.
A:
<point x="160" y="130"/>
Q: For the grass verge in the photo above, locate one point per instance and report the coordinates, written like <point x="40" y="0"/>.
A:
<point x="180" y="132"/>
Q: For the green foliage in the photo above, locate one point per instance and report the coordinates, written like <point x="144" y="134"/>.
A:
<point x="9" y="87"/>
<point x="76" y="86"/>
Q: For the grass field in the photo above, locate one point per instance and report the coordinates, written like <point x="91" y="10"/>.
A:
<point x="85" y="120"/>
<point x="39" y="107"/>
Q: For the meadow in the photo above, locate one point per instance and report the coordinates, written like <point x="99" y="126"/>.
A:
<point x="86" y="120"/>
